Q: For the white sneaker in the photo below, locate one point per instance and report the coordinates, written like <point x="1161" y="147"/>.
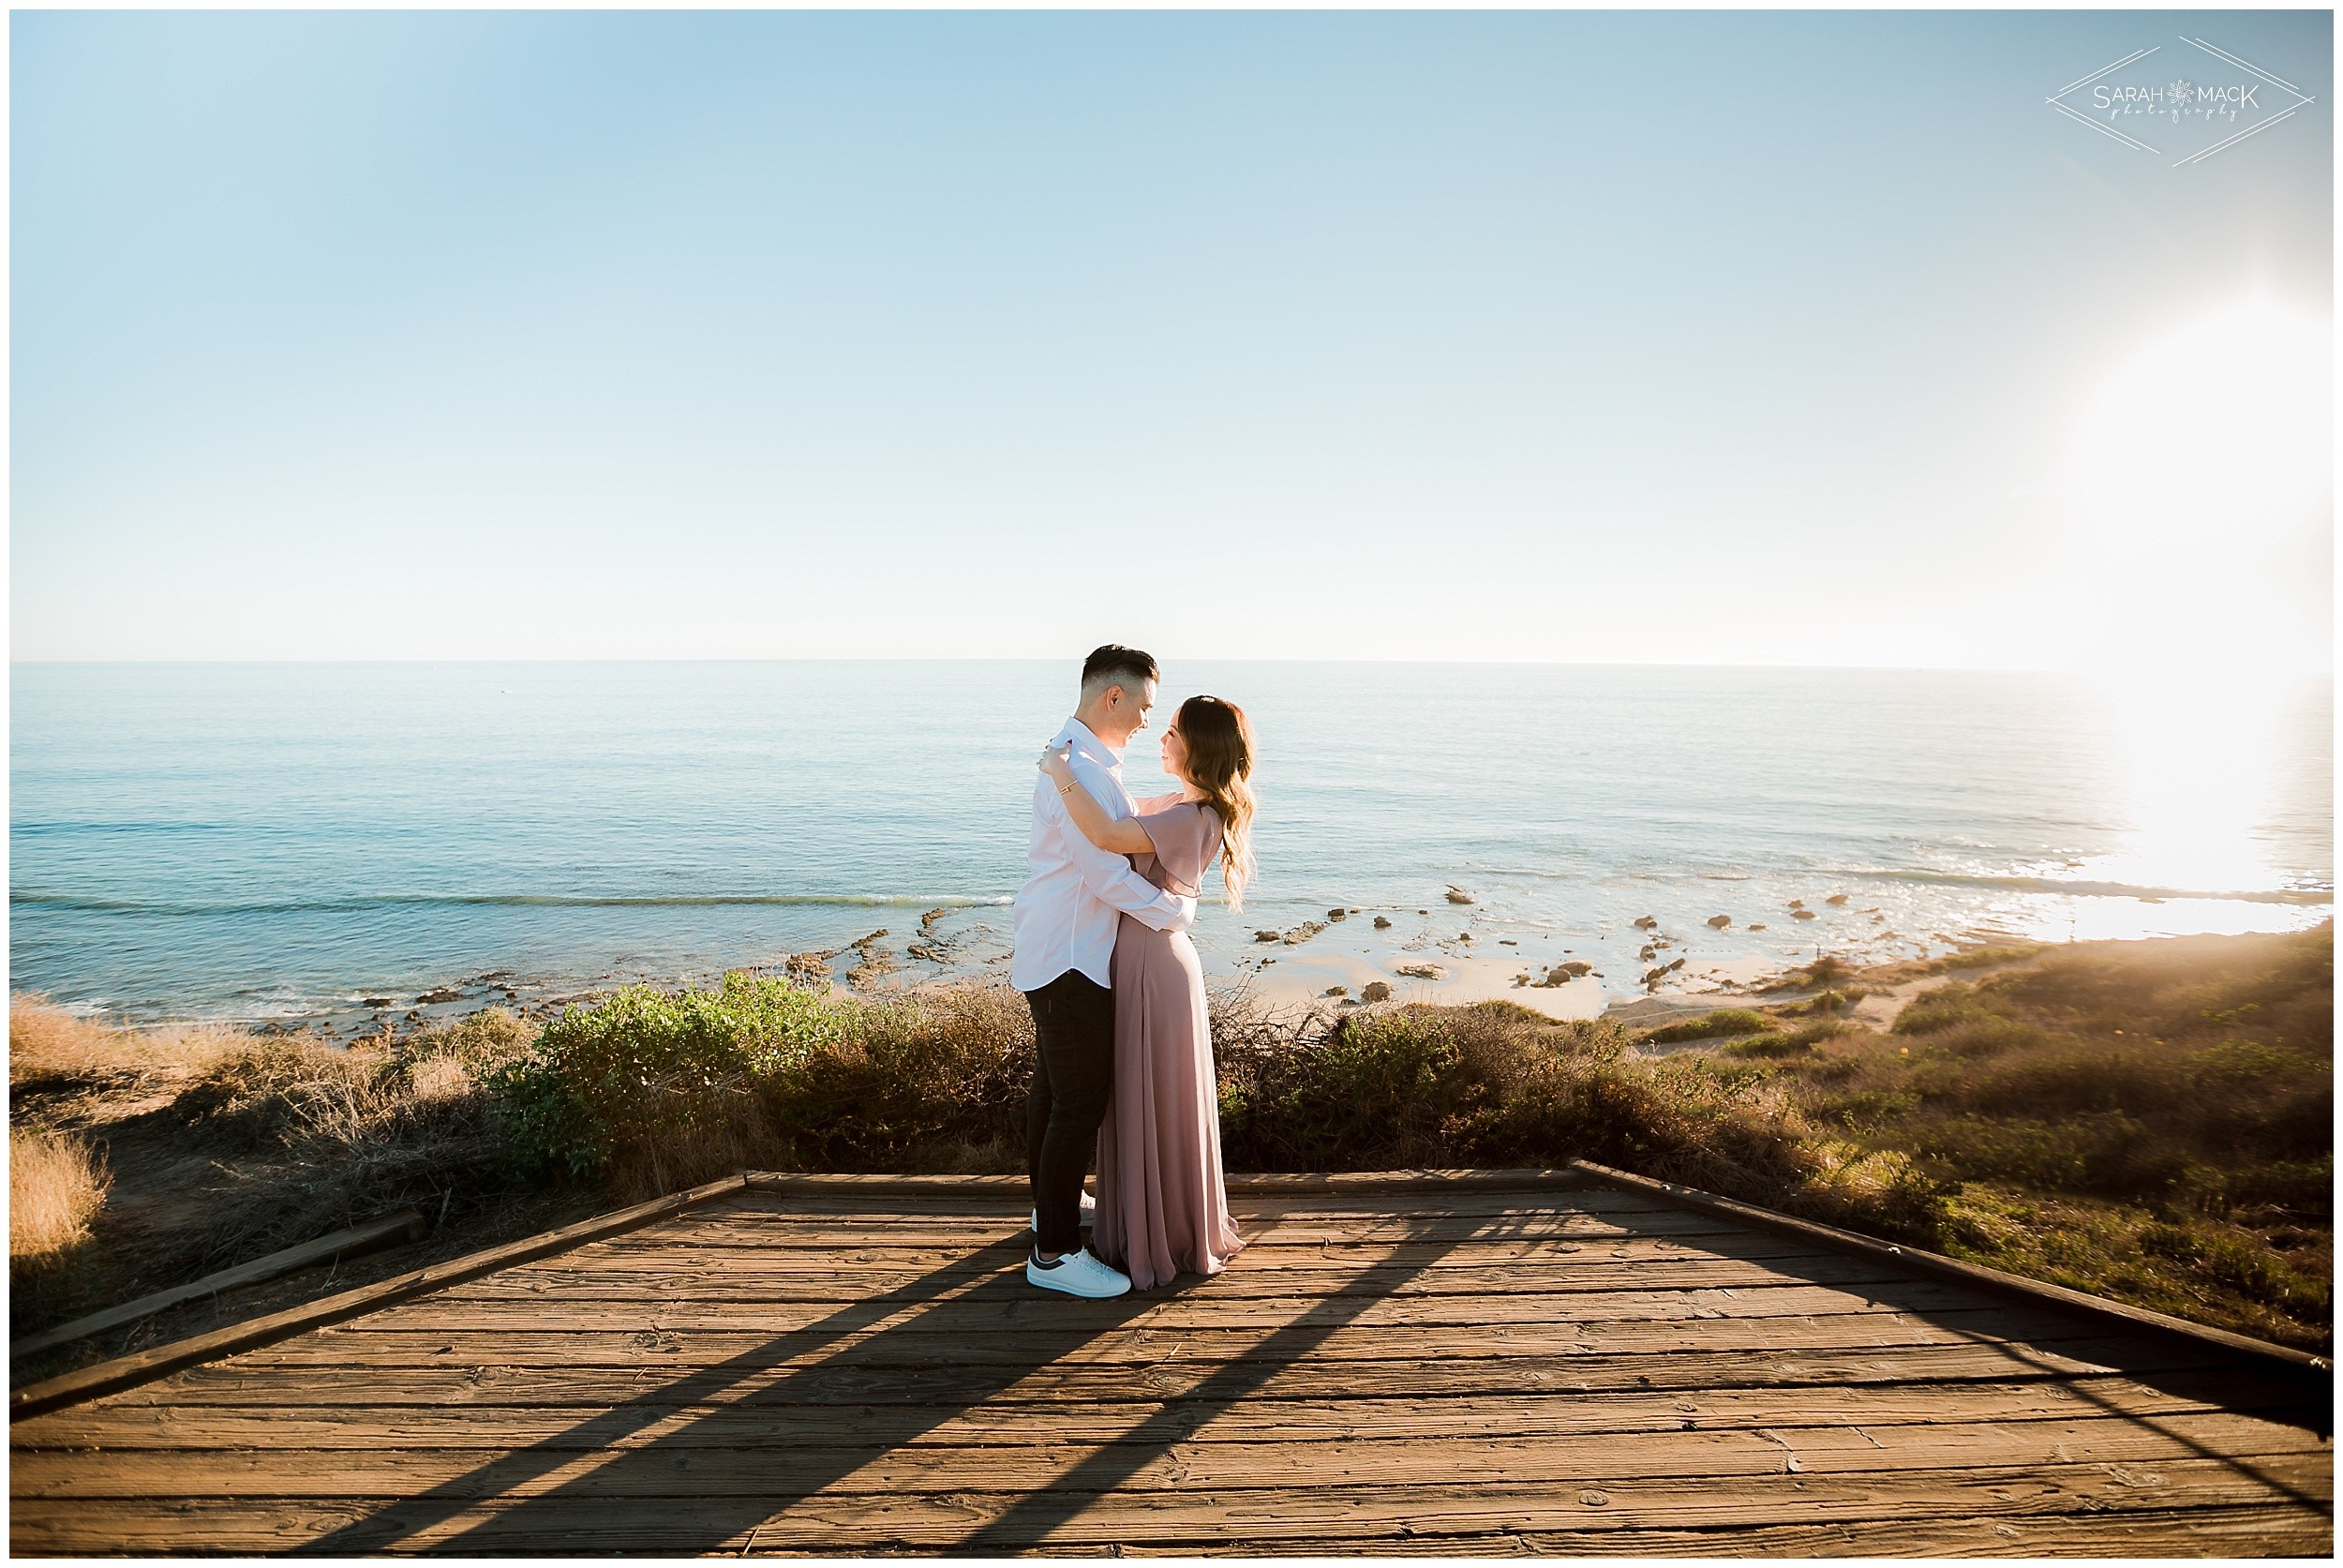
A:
<point x="1077" y="1273"/>
<point x="1089" y="1207"/>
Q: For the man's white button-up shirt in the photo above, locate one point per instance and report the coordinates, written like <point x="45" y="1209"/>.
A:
<point x="1064" y="914"/>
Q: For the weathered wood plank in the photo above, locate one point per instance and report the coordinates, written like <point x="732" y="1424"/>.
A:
<point x="1593" y="1197"/>
<point x="988" y="1311"/>
<point x="751" y="1423"/>
<point x="1071" y="1513"/>
<point x="1590" y="1198"/>
<point x="917" y="1332"/>
<point x="1308" y="1280"/>
<point x="1417" y="1186"/>
<point x="674" y="1257"/>
<point x="850" y="1382"/>
<point x="267" y="1528"/>
<point x="1015" y="1194"/>
<point x="1171" y="1464"/>
<point x="2182" y="1532"/>
<point x="846" y="1232"/>
<point x="484" y="1382"/>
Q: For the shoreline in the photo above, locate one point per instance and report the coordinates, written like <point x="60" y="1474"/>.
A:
<point x="712" y="817"/>
<point x="1455" y="951"/>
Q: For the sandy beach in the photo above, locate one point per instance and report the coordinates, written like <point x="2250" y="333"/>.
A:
<point x="1446" y="955"/>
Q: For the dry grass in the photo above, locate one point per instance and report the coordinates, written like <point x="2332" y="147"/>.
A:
<point x="50" y="1046"/>
<point x="1968" y="958"/>
<point x="309" y="1136"/>
<point x="56" y="1186"/>
<point x="225" y="1145"/>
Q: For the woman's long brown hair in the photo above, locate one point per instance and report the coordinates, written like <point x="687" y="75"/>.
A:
<point x="1219" y="740"/>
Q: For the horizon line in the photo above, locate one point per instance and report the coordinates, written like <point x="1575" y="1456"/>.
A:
<point x="2309" y="672"/>
<point x="1067" y="659"/>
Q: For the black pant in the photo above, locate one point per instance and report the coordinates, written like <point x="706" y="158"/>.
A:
<point x="1073" y="1077"/>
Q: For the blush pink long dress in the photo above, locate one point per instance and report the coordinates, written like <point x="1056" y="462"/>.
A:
<point x="1163" y="1208"/>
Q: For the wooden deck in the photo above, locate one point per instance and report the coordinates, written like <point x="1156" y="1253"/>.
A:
<point x="1549" y="1366"/>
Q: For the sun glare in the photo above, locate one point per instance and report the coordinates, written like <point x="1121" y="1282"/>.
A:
<point x="2200" y="489"/>
<point x="2200" y="504"/>
<point x="2196" y="776"/>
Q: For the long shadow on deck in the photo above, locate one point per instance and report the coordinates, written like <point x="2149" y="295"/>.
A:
<point x="1030" y="1521"/>
<point x="889" y="1363"/>
<point x="705" y="1523"/>
<point x="899" y="1363"/>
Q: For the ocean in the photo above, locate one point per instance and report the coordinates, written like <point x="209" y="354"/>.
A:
<point x="330" y="842"/>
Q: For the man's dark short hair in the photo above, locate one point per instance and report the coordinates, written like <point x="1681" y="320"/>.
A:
<point x="1117" y="665"/>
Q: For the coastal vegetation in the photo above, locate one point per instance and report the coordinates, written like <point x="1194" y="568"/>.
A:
<point x="650" y="1091"/>
<point x="222" y="1144"/>
<point x="57" y="1185"/>
<point x="1709" y="1025"/>
<point x="2152" y="1121"/>
<point x="2149" y="1121"/>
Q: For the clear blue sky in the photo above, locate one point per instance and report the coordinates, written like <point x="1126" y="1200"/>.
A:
<point x="1711" y="336"/>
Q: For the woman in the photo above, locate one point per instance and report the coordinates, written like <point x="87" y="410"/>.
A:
<point x="1163" y="1208"/>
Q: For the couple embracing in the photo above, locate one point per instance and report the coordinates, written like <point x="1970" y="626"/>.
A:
<point x="1122" y="1047"/>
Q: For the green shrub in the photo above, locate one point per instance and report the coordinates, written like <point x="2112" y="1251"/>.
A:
<point x="936" y="1081"/>
<point x="650" y="1091"/>
<point x="1724" y="1021"/>
<point x="2241" y="1261"/>
<point x="1976" y="958"/>
<point x="2267" y="1190"/>
<point x="648" y="1076"/>
<point x="1832" y="1001"/>
<point x="1944" y="1008"/>
<point x="2102" y="1153"/>
<point x="1766" y="1048"/>
<point x="1494" y="1086"/>
<point x="1373" y="1093"/>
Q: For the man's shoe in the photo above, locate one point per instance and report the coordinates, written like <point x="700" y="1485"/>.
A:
<point x="1089" y="1207"/>
<point x="1077" y="1273"/>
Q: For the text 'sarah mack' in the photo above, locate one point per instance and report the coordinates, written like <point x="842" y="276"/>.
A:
<point x="2188" y="96"/>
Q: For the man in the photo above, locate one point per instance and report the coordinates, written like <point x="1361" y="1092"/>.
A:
<point x="1065" y="918"/>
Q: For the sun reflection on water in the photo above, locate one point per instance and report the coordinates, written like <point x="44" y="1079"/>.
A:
<point x="2198" y="769"/>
